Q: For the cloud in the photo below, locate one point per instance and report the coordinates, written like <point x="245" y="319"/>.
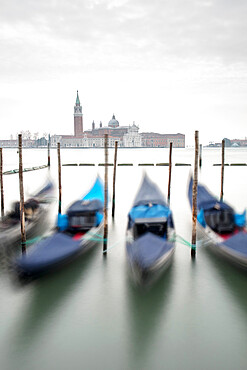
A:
<point x="122" y="34"/>
<point x="190" y="54"/>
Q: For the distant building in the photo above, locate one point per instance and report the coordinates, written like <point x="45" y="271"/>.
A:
<point x="78" y="118"/>
<point x="113" y="122"/>
<point x="14" y="143"/>
<point x="154" y="140"/>
<point x="41" y="142"/>
<point x="113" y="129"/>
<point x="239" y="142"/>
<point x="227" y="142"/>
<point x="132" y="138"/>
<point x="127" y="136"/>
<point x="235" y="143"/>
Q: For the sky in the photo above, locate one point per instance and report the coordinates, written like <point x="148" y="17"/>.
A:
<point x="170" y="66"/>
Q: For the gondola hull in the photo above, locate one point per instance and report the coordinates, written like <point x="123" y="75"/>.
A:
<point x="53" y="253"/>
<point x="231" y="246"/>
<point x="150" y="236"/>
<point x="144" y="274"/>
<point x="66" y="243"/>
<point x="10" y="228"/>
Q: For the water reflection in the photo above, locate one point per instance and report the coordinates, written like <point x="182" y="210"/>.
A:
<point x="49" y="295"/>
<point x="91" y="310"/>
<point x="11" y="248"/>
<point x="233" y="276"/>
<point x="146" y="309"/>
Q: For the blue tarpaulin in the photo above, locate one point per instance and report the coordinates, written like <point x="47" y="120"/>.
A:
<point x="240" y="219"/>
<point x="149" y="193"/>
<point x="48" y="252"/>
<point x="237" y="243"/>
<point x="92" y="201"/>
<point x="205" y="200"/>
<point x="148" y="249"/>
<point x="147" y="211"/>
<point x="60" y="247"/>
<point x="149" y="203"/>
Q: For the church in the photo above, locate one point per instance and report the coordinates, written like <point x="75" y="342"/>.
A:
<point x="126" y="136"/>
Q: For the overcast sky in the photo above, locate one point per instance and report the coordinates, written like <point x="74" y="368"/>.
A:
<point x="169" y="65"/>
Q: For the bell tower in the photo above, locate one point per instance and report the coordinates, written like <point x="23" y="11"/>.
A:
<point x="78" y="118"/>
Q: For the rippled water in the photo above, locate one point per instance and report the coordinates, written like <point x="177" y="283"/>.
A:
<point x="89" y="315"/>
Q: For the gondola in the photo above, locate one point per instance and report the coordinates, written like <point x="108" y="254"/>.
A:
<point x="150" y="237"/>
<point x="220" y="227"/>
<point x="76" y="232"/>
<point x="37" y="210"/>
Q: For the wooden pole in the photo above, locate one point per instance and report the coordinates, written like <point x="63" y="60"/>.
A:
<point x="170" y="172"/>
<point x="194" y="199"/>
<point x="49" y="156"/>
<point x="114" y="180"/>
<point x="200" y="157"/>
<point x="22" y="212"/>
<point x="1" y="181"/>
<point x="222" y="169"/>
<point x="59" y="179"/>
<point x="105" y="196"/>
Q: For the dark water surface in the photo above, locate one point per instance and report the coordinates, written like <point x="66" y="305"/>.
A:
<point x="89" y="315"/>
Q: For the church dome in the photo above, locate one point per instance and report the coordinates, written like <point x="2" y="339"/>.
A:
<point x="113" y="122"/>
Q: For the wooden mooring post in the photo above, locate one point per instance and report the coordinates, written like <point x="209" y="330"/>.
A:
<point x="170" y="173"/>
<point x="222" y="169"/>
<point x="1" y="181"/>
<point x="59" y="179"/>
<point x="105" y="197"/>
<point x="194" y="199"/>
<point x="22" y="211"/>
<point x="49" y="155"/>
<point x="200" y="157"/>
<point x="114" y="180"/>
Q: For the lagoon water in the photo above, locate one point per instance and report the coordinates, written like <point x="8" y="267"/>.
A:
<point x="89" y="315"/>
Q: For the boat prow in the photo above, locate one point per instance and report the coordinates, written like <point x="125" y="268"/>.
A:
<point x="222" y="229"/>
<point x="148" y="256"/>
<point x="77" y="231"/>
<point x="150" y="234"/>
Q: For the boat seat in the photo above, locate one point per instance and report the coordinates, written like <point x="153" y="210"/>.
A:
<point x="82" y="221"/>
<point x="221" y="221"/>
<point x="157" y="226"/>
<point x="30" y="207"/>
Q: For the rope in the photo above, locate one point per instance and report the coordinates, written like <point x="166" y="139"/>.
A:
<point x="34" y="240"/>
<point x="200" y="243"/>
<point x="95" y="237"/>
<point x="113" y="246"/>
<point x="99" y="238"/>
<point x="177" y="238"/>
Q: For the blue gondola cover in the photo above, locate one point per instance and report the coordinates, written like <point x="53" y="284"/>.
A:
<point x="148" y="221"/>
<point x="240" y="219"/>
<point x="48" y="252"/>
<point x="93" y="201"/>
<point x="61" y="247"/>
<point x="149" y="211"/>
<point x="238" y="243"/>
<point x="147" y="249"/>
<point x="149" y="203"/>
<point x="205" y="200"/>
<point x="233" y="242"/>
<point x="149" y="193"/>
